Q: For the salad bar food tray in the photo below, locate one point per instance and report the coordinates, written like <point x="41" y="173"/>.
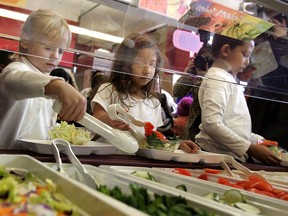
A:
<point x="44" y="147"/>
<point x="194" y="185"/>
<point x="129" y="187"/>
<point x="85" y="201"/>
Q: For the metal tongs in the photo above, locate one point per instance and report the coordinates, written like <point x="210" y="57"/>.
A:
<point x="116" y="112"/>
<point x="116" y="137"/>
<point x="244" y="170"/>
<point x="61" y="145"/>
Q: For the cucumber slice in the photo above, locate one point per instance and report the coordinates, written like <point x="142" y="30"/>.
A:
<point x="181" y="187"/>
<point x="247" y="208"/>
<point x="145" y="175"/>
<point x="233" y="196"/>
<point x="212" y="196"/>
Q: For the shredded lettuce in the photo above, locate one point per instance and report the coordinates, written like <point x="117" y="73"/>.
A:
<point x="74" y="135"/>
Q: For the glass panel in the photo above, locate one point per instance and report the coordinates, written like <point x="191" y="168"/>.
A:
<point x="117" y="19"/>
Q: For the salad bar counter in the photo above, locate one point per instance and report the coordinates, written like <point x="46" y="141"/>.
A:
<point x="132" y="160"/>
<point x="35" y="188"/>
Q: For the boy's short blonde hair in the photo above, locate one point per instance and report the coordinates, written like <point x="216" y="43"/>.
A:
<point x="42" y="25"/>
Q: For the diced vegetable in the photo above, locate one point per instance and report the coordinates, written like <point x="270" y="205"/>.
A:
<point x="29" y="195"/>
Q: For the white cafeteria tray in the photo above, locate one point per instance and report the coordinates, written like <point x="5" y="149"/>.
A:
<point x="195" y="186"/>
<point x="89" y="202"/>
<point x="111" y="179"/>
<point x="181" y="156"/>
<point x="44" y="147"/>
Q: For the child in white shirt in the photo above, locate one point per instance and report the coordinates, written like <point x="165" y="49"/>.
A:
<point x="27" y="89"/>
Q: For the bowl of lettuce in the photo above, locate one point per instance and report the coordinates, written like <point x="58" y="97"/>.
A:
<point x="74" y="135"/>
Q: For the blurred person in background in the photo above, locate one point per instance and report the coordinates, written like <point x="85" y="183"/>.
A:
<point x="189" y="85"/>
<point x="182" y="116"/>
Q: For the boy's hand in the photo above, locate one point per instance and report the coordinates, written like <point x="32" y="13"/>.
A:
<point x="263" y="154"/>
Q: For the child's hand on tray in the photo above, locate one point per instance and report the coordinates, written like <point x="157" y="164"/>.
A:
<point x="188" y="146"/>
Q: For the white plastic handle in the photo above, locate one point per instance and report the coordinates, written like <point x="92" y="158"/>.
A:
<point x="114" y="110"/>
<point x="118" y="138"/>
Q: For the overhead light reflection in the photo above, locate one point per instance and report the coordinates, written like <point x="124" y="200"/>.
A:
<point x="75" y="29"/>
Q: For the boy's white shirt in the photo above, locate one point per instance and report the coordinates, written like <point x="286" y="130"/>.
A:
<point x="148" y="111"/>
<point x="25" y="112"/>
<point x="226" y="123"/>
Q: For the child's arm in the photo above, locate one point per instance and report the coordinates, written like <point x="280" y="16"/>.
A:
<point x="100" y="113"/>
<point x="73" y="103"/>
<point x="263" y="154"/>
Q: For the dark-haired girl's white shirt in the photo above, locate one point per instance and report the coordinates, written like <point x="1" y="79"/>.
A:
<point x="25" y="112"/>
<point x="147" y="110"/>
<point x="226" y="123"/>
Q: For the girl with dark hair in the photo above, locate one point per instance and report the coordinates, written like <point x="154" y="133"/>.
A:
<point x="132" y="83"/>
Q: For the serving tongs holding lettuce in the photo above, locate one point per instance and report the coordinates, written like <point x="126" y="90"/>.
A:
<point x="118" y="138"/>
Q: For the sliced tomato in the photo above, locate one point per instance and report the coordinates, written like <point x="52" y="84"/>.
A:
<point x="269" y="143"/>
<point x="251" y="184"/>
<point x="148" y="128"/>
<point x="159" y="135"/>
<point x="267" y="193"/>
<point x="182" y="171"/>
<point x="254" y="190"/>
<point x="212" y="171"/>
<point x="278" y="193"/>
<point x="256" y="179"/>
<point x="222" y="180"/>
<point x="234" y="185"/>
<point x="203" y="176"/>
<point x="241" y="182"/>
<point x="284" y="197"/>
<point x="264" y="186"/>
